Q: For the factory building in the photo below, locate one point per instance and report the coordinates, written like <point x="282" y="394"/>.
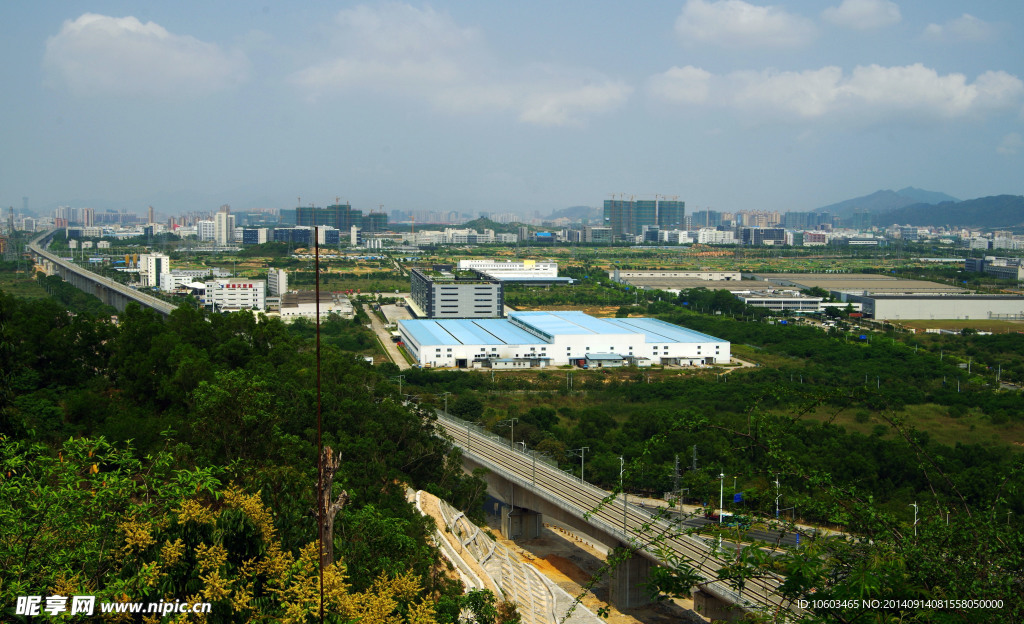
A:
<point x="540" y="339"/>
<point x="525" y="271"/>
<point x="942" y="306"/>
<point x="781" y="300"/>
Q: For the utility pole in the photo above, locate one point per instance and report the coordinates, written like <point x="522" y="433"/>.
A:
<point x="694" y="457"/>
<point x="445" y="395"/>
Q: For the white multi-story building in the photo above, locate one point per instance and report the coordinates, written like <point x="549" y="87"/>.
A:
<point x="511" y="269"/>
<point x="172" y="280"/>
<point x="224" y="226"/>
<point x="277" y="282"/>
<point x="225" y="295"/>
<point x="151" y="267"/>
<point x="204" y="230"/>
<point x="711" y="236"/>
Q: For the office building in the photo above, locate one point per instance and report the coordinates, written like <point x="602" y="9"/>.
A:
<point x="226" y="295"/>
<point x="152" y="267"/>
<point x="439" y="295"/>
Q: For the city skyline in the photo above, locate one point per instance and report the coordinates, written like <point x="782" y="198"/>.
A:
<point x="728" y="105"/>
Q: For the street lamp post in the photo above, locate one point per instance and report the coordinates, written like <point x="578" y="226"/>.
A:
<point x="914" y="505"/>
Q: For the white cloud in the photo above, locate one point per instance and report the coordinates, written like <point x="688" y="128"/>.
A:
<point x="863" y="14"/>
<point x="868" y="93"/>
<point x="1011" y="144"/>
<point x="737" y="23"/>
<point x="965" y="28"/>
<point x="810" y="93"/>
<point x="402" y="50"/>
<point x="541" y="95"/>
<point x="101" y="55"/>
<point x="688" y="84"/>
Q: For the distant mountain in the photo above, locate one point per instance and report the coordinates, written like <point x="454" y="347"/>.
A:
<point x="884" y="201"/>
<point x="926" y="197"/>
<point x="997" y="212"/>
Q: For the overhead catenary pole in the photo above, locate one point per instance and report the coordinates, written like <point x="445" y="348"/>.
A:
<point x="582" y="451"/>
<point x="512" y="435"/>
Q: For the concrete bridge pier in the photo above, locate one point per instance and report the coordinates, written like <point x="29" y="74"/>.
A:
<point x="626" y="588"/>
<point x="520" y="523"/>
<point x="715" y="609"/>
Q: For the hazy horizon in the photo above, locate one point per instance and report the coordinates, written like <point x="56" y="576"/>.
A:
<point x="518" y="108"/>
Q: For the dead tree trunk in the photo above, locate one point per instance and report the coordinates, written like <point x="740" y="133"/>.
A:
<point x="329" y="465"/>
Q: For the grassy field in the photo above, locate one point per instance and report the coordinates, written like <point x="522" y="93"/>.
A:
<point x="21" y="285"/>
<point x="934" y="419"/>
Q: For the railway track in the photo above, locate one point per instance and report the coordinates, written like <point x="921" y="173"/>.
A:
<point x="631" y="525"/>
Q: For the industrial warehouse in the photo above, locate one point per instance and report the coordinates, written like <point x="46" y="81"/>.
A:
<point x="540" y="339"/>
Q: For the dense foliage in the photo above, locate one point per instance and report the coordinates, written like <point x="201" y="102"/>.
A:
<point x="157" y="417"/>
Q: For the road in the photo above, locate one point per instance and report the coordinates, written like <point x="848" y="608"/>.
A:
<point x="384" y="335"/>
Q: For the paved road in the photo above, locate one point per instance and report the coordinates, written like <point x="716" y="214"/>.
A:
<point x="384" y="335"/>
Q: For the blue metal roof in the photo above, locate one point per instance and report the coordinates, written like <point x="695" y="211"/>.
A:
<point x="467" y="331"/>
<point x="569" y="322"/>
<point x="658" y="331"/>
<point x="502" y="331"/>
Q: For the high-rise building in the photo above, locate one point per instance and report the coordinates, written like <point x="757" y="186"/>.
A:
<point x="671" y="214"/>
<point x="618" y="215"/>
<point x="223" y="226"/>
<point x="375" y="222"/>
<point x="338" y="216"/>
<point x="629" y="217"/>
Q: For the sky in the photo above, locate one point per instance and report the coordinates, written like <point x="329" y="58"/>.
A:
<point x="522" y="106"/>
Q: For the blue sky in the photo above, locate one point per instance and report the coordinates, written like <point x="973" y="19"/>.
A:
<point x="524" y="106"/>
